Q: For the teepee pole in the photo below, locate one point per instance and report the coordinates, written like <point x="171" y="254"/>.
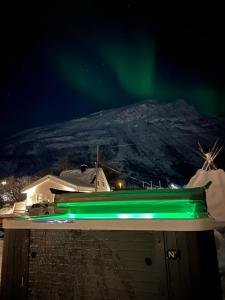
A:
<point x="210" y="156"/>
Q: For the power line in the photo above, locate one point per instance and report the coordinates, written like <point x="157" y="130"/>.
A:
<point x="118" y="172"/>
<point x="123" y="145"/>
<point x="131" y="177"/>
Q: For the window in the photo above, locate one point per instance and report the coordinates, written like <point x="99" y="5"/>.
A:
<point x="39" y="197"/>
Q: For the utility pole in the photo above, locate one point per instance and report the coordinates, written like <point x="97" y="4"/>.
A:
<point x="96" y="168"/>
<point x="160" y="184"/>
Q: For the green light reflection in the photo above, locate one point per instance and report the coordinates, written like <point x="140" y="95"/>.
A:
<point x="131" y="209"/>
<point x="102" y="216"/>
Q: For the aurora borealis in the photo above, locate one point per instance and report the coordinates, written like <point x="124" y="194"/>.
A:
<point x="129" y="71"/>
<point x="64" y="62"/>
<point x="125" y="69"/>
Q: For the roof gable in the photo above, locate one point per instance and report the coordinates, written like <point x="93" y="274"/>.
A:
<point x="75" y="179"/>
<point x="85" y="178"/>
<point x="48" y="177"/>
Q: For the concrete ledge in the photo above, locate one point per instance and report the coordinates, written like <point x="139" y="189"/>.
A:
<point x="150" y="225"/>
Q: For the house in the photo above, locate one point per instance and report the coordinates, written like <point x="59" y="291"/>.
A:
<point x="80" y="180"/>
<point x="12" y="211"/>
<point x="4" y="213"/>
<point x="19" y="207"/>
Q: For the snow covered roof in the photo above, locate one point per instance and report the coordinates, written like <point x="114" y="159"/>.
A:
<point x="54" y="178"/>
<point x="85" y="178"/>
<point x="13" y="211"/>
<point x="6" y="211"/>
<point x="19" y="207"/>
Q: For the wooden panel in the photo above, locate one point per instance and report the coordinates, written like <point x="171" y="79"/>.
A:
<point x="97" y="265"/>
<point x="88" y="264"/>
<point x="194" y="273"/>
<point x="204" y="259"/>
<point x="15" y="264"/>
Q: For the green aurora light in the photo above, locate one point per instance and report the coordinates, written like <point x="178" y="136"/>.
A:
<point x="133" y="64"/>
<point x="114" y="70"/>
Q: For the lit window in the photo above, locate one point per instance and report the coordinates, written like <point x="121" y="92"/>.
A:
<point x="39" y="197"/>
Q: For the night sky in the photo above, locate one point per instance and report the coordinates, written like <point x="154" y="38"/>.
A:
<point x="62" y="61"/>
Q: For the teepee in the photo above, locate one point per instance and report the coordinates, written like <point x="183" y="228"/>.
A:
<point x="215" y="195"/>
<point x="210" y="156"/>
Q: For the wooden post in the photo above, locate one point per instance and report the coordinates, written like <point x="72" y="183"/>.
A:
<point x="96" y="168"/>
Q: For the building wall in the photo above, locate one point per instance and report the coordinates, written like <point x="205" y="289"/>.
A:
<point x="42" y="192"/>
<point x="102" y="182"/>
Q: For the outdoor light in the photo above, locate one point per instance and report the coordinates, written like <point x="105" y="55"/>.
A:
<point x="120" y="184"/>
<point x="174" y="186"/>
<point x="4" y="182"/>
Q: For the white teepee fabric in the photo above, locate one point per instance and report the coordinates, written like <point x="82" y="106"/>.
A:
<point x="215" y="195"/>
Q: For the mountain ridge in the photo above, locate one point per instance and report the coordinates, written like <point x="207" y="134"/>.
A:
<point x="161" y="137"/>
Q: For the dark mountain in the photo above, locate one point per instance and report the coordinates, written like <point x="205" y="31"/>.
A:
<point x="150" y="141"/>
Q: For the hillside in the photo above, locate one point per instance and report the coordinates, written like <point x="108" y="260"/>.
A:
<point x="160" y="138"/>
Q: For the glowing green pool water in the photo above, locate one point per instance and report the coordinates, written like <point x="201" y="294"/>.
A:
<point x="130" y="204"/>
<point x="132" y="209"/>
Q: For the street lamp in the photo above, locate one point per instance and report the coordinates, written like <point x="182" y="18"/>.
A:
<point x="120" y="184"/>
<point x="4" y="195"/>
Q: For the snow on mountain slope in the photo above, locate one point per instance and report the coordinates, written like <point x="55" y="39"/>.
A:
<point x="161" y="141"/>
